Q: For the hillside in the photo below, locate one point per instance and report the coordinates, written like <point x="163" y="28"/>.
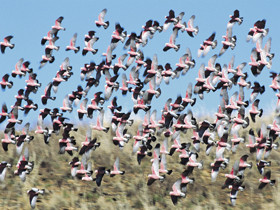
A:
<point x="130" y="191"/>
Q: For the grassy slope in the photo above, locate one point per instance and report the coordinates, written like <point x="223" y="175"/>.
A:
<point x="52" y="173"/>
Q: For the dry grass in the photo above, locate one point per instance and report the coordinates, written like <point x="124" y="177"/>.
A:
<point x="52" y="172"/>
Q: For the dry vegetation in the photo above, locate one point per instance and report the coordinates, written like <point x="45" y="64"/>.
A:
<point x="52" y="172"/>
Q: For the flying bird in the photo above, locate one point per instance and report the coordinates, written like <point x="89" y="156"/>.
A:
<point x="33" y="196"/>
<point x="100" y="22"/>
<point x="6" y="43"/>
<point x="72" y="45"/>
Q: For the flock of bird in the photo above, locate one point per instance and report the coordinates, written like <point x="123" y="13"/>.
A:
<point x="174" y="120"/>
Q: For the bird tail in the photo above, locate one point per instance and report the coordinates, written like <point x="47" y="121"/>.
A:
<point x="149" y="154"/>
<point x="196" y="30"/>
<point x="272" y="182"/>
<point x="12" y="46"/>
<point x="148" y="108"/>
<point x="84" y="52"/>
<point x="241" y="21"/>
<point x="178" y="47"/>
<point x="172" y="150"/>
<point x="200" y="166"/>
<point x="153" y="138"/>
<point x="52" y="59"/>
<point x="269" y="64"/>
<point x="107" y="25"/>
<point x="266" y="31"/>
<point x="275" y="146"/>
<point x="78" y="49"/>
<point x="193" y="103"/>
<point x="94" y="51"/>
<point x="107" y="129"/>
<point x="261" y="112"/>
<point x="262" y="89"/>
<point x="10" y="85"/>
<point x="119" y="108"/>
<point x="268" y="163"/>
<point x="97" y="144"/>
<point x="135" y="110"/>
<point x="250" y="165"/>
<point x="233" y="46"/>
<point x="214" y="45"/>
<point x="42" y="191"/>
<point x="248" y="122"/>
<point x="271" y="56"/>
<point x="159" y="92"/>
<point x="249" y="85"/>
<point x="130" y="122"/>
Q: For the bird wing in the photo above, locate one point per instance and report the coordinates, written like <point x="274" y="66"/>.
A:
<point x="102" y="15"/>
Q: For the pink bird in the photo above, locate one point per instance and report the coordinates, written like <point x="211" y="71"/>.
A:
<point x="4" y="113"/>
<point x="66" y="105"/>
<point x="5" y="82"/>
<point x="116" y="169"/>
<point x="266" y="180"/>
<point x="230" y="41"/>
<point x="57" y="27"/>
<point x="100" y="21"/>
<point x="74" y="166"/>
<point x="89" y="46"/>
<point x="177" y="191"/>
<point x="190" y="29"/>
<point x="83" y="109"/>
<point x="171" y="43"/>
<point x="6" y="43"/>
<point x="51" y="45"/>
<point x="121" y="137"/>
<point x="18" y="70"/>
<point x="99" y="123"/>
<point x="207" y="45"/>
<point x="255" y="110"/>
<point x="275" y="81"/>
<point x="89" y="144"/>
<point x="235" y="18"/>
<point x="155" y="173"/>
<point x="72" y="44"/>
<point x="163" y="165"/>
<point x="233" y="175"/>
<point x="47" y="38"/>
<point x="7" y="140"/>
<point x="33" y="195"/>
<point x="140" y="105"/>
<point x="3" y="170"/>
<point x="47" y="94"/>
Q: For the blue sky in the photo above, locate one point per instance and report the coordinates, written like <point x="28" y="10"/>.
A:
<point x="29" y="21"/>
